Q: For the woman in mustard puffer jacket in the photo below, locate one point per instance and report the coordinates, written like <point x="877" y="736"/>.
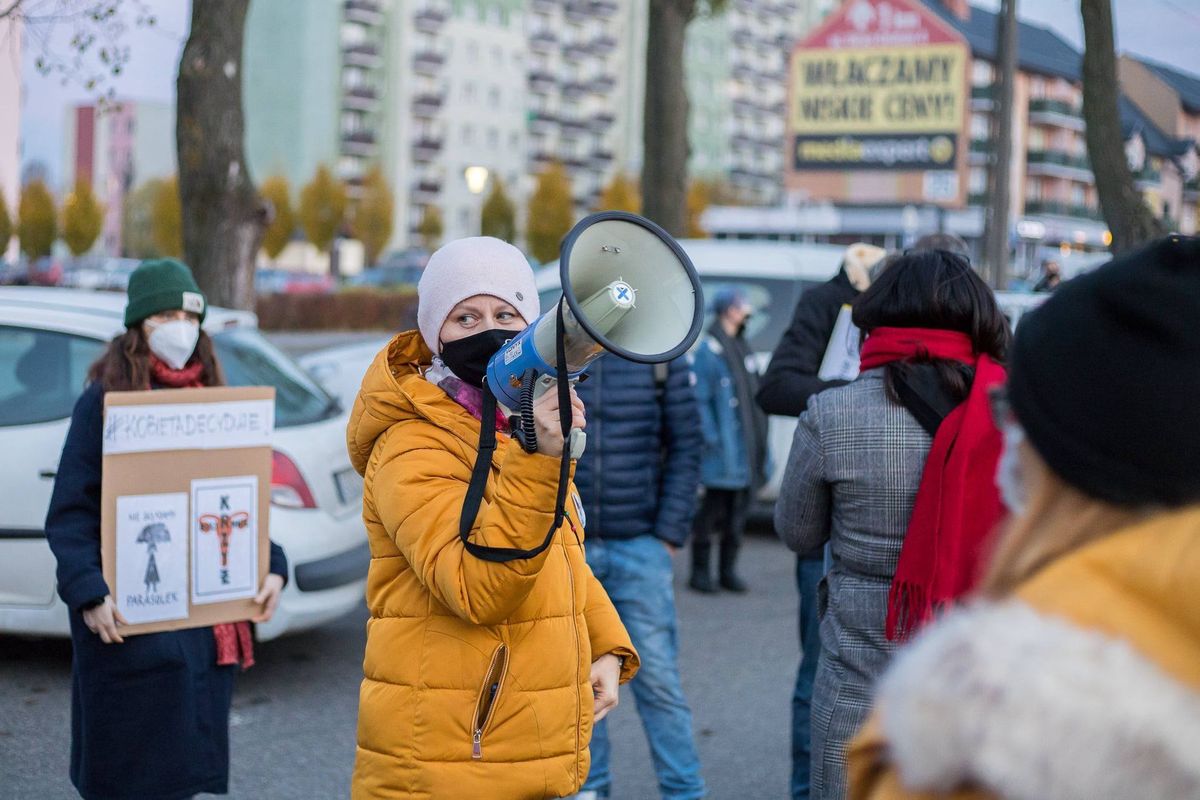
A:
<point x="482" y="678"/>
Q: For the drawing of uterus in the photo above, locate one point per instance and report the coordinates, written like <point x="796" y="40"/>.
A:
<point x="224" y="524"/>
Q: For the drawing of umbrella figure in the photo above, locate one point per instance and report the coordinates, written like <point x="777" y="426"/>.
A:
<point x="150" y="536"/>
<point x="224" y="525"/>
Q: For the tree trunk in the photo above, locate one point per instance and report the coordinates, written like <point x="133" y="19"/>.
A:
<point x="223" y="217"/>
<point x="1001" y="173"/>
<point x="1129" y="219"/>
<point x="665" y="135"/>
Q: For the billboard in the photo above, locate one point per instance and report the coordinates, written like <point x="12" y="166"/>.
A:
<point x="882" y="85"/>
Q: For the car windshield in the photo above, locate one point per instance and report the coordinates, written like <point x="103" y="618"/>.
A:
<point x="250" y="360"/>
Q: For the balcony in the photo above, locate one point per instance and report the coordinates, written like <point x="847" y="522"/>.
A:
<point x="428" y="104"/>
<point x="429" y="20"/>
<point x="363" y="54"/>
<point x="742" y="37"/>
<point x="544" y="6"/>
<point x="427" y="149"/>
<point x="1055" y="113"/>
<point x="575" y="89"/>
<point x="541" y="121"/>
<point x="1191" y="190"/>
<point x="572" y="126"/>
<point x="1058" y="164"/>
<point x="604" y="9"/>
<point x="603" y="84"/>
<point x="982" y="199"/>
<point x="1058" y="208"/>
<point x="577" y="11"/>
<point x="980" y="151"/>
<point x="544" y="41"/>
<point x="601" y="158"/>
<point x="575" y="51"/>
<point x="428" y="62"/>
<point x="426" y="190"/>
<point x="364" y="12"/>
<point x="359" y="143"/>
<point x="1148" y="176"/>
<point x="983" y="98"/>
<point x="603" y="45"/>
<point x="601" y="121"/>
<point x="542" y="81"/>
<point x="360" y="98"/>
<point x="542" y="157"/>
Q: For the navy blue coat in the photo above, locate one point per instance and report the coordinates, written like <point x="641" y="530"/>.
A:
<point x="150" y="717"/>
<point x="641" y="470"/>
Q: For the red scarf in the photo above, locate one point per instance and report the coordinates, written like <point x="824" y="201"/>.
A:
<point x="235" y="644"/>
<point x="958" y="505"/>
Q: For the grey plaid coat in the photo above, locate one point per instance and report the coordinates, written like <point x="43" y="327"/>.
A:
<point x="851" y="480"/>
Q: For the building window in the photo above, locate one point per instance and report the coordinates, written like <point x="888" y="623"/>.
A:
<point x="514" y="140"/>
<point x="472" y="52"/>
<point x="978" y="180"/>
<point x="494" y="97"/>
<point x="498" y="55"/>
<point x="468" y="135"/>
<point x="493" y="138"/>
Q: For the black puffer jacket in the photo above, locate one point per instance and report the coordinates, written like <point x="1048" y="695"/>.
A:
<point x="641" y="469"/>
<point x="791" y="377"/>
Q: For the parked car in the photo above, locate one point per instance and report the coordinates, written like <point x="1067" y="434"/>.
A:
<point x="283" y="281"/>
<point x="48" y="339"/>
<point x="400" y="270"/>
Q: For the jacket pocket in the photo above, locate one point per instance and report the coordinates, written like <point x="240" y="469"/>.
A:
<point x="489" y="696"/>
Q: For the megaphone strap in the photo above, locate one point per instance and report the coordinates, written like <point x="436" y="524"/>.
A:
<point x="487" y="453"/>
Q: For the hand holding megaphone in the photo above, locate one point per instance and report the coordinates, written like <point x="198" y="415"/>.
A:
<point x="548" y="424"/>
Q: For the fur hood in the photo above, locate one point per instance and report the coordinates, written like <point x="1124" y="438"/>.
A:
<point x="1029" y="706"/>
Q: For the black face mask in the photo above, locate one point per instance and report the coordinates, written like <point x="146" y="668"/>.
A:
<point x="468" y="358"/>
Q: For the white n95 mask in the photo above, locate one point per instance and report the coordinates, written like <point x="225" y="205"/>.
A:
<point x="175" y="341"/>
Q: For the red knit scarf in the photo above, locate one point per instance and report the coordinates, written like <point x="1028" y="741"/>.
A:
<point x="235" y="644"/>
<point x="957" y="505"/>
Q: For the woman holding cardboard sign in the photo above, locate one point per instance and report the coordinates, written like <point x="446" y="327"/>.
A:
<point x="483" y="677"/>
<point x="149" y="713"/>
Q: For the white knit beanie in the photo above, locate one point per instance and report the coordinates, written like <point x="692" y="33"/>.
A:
<point x="467" y="267"/>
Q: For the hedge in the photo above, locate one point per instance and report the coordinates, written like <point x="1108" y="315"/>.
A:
<point x="347" y="310"/>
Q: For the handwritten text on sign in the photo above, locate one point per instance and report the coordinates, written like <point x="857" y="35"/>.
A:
<point x="188" y="426"/>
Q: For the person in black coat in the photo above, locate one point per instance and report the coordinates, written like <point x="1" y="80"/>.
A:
<point x="149" y="713"/>
<point x="790" y="380"/>
<point x="637" y="481"/>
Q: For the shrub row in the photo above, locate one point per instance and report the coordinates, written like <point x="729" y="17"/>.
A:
<point x="348" y="310"/>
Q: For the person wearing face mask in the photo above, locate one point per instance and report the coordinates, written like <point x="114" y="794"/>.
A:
<point x="166" y="694"/>
<point x="1075" y="672"/>
<point x="735" y="442"/>
<point x="896" y="471"/>
<point x="482" y="678"/>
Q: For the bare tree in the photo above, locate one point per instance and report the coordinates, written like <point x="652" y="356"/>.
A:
<point x="223" y="216"/>
<point x="1129" y="219"/>
<point x="665" y="131"/>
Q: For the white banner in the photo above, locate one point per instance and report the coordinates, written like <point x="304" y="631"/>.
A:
<point x="188" y="426"/>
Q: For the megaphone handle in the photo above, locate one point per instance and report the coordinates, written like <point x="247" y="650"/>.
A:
<point x="525" y="430"/>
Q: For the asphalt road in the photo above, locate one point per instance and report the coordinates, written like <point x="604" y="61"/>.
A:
<point x="294" y="713"/>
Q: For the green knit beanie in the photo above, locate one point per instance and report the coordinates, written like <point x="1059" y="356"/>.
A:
<point x="162" y="284"/>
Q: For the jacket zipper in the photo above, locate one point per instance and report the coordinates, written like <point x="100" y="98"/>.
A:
<point x="575" y="628"/>
<point x="493" y="681"/>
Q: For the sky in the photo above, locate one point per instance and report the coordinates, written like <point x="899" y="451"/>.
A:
<point x="1165" y="30"/>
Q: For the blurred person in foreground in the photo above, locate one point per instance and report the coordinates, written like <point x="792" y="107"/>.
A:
<point x="897" y="472"/>
<point x="735" y="442"/>
<point x="790" y="381"/>
<point x="638" y="480"/>
<point x="1077" y="672"/>
<point x="482" y="677"/>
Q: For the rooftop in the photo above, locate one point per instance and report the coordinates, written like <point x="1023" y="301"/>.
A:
<point x="1187" y="86"/>
<point x="1040" y="50"/>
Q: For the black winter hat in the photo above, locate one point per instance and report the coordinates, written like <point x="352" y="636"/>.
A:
<point x="1105" y="377"/>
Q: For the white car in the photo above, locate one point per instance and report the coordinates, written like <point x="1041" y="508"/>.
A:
<point x="49" y="338"/>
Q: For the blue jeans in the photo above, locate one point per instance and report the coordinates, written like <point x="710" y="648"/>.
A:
<point x="637" y="574"/>
<point x="809" y="572"/>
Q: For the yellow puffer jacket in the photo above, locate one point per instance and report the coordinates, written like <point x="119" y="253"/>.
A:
<point x="1086" y="684"/>
<point x="476" y="673"/>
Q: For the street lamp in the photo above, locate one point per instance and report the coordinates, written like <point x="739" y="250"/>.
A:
<point x="477" y="178"/>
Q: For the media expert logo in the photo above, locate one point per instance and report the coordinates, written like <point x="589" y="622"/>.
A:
<point x="875" y="152"/>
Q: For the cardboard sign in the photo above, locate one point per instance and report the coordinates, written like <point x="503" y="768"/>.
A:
<point x="185" y="504"/>
<point x="841" y="355"/>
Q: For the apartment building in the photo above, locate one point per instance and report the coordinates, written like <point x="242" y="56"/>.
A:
<point x="737" y="83"/>
<point x="116" y="148"/>
<point x="10" y="124"/>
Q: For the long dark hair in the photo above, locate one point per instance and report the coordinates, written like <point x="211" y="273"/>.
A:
<point x="125" y="364"/>
<point x="935" y="289"/>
